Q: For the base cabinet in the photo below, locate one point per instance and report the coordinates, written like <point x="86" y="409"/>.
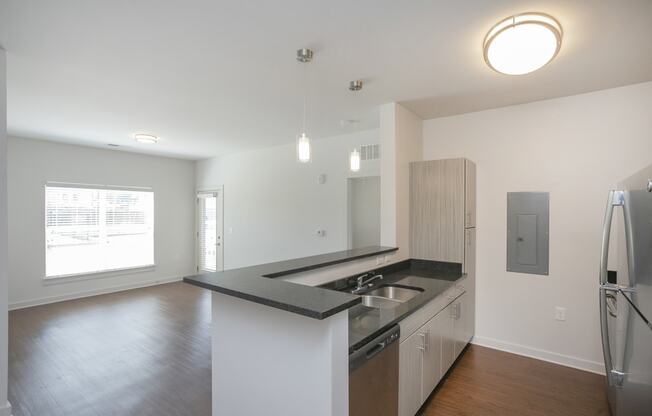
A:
<point x="432" y="365"/>
<point x="427" y="354"/>
<point x="410" y="375"/>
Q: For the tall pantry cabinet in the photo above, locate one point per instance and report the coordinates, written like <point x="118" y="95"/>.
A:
<point x="443" y="215"/>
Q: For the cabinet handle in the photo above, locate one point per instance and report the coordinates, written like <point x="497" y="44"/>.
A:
<point x="456" y="311"/>
<point x="424" y="342"/>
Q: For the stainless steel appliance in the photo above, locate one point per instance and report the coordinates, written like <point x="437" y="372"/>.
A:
<point x="373" y="376"/>
<point x="626" y="303"/>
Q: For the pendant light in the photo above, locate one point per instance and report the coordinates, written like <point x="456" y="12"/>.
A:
<point x="303" y="141"/>
<point x="354" y="156"/>
<point x="354" y="160"/>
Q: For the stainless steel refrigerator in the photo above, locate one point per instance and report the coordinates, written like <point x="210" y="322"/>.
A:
<point x="626" y="301"/>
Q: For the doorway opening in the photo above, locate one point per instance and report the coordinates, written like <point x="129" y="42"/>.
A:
<point x="363" y="211"/>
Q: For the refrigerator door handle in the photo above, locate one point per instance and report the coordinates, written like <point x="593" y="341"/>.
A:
<point x="604" y="331"/>
<point x="614" y="377"/>
<point x="615" y="198"/>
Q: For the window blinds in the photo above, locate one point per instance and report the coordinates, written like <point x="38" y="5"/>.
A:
<point x="92" y="230"/>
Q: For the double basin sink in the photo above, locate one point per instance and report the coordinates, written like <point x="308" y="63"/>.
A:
<point x="390" y="296"/>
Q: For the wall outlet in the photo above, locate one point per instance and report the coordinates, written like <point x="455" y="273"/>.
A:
<point x="321" y="233"/>
<point x="560" y="313"/>
<point x="379" y="260"/>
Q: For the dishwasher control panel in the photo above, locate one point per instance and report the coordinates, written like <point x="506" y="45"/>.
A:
<point x="373" y="348"/>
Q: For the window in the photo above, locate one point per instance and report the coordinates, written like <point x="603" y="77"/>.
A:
<point x="89" y="230"/>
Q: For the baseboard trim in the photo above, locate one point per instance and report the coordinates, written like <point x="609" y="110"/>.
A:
<point x="5" y="410"/>
<point x="551" y="357"/>
<point x="88" y="293"/>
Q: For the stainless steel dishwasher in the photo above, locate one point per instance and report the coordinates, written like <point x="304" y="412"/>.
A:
<point x="373" y="377"/>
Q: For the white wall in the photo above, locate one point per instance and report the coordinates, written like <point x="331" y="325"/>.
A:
<point x="5" y="408"/>
<point x="273" y="205"/>
<point x="576" y="148"/>
<point x="32" y="163"/>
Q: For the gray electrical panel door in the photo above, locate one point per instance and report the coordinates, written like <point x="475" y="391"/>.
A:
<point x="527" y="232"/>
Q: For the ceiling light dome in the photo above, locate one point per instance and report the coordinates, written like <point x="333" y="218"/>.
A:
<point x="522" y="43"/>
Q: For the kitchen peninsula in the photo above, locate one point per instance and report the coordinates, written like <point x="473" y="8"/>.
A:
<point x="283" y="348"/>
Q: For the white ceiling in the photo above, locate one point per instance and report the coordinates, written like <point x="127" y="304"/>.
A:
<point x="213" y="77"/>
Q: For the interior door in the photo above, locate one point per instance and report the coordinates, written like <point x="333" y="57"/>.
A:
<point x="209" y="232"/>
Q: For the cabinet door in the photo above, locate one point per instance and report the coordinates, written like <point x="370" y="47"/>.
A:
<point x="437" y="210"/>
<point x="469" y="194"/>
<point x="468" y="318"/>
<point x="460" y="326"/>
<point x="469" y="253"/>
<point x="410" y="374"/>
<point x="432" y="373"/>
<point x="470" y="283"/>
<point x="447" y="339"/>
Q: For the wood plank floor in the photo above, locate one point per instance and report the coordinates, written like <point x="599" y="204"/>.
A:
<point x="139" y="352"/>
<point x="488" y="382"/>
<point x="147" y="352"/>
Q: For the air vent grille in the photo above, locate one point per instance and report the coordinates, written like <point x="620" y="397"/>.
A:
<point x="370" y="152"/>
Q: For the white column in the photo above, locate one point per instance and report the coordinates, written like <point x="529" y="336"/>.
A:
<point x="268" y="361"/>
<point x="388" y="175"/>
<point x="5" y="408"/>
<point x="401" y="141"/>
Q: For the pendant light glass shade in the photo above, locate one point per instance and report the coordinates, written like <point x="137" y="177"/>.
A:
<point x="522" y="43"/>
<point x="354" y="160"/>
<point x="303" y="148"/>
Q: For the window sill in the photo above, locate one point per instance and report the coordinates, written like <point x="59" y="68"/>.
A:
<point x="97" y="275"/>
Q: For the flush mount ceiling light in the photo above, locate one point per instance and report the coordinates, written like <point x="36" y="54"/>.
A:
<point x="145" y="138"/>
<point x="522" y="43"/>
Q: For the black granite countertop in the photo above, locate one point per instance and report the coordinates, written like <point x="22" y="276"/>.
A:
<point x="366" y="323"/>
<point x="257" y="283"/>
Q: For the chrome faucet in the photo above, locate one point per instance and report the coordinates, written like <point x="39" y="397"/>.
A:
<point x="363" y="283"/>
